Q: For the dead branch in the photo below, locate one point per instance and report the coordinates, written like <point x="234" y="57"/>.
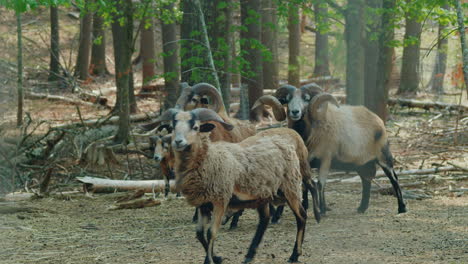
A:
<point x="111" y="120"/>
<point x="141" y="203"/>
<point x="426" y="105"/>
<point x="131" y="196"/>
<point x="49" y="97"/>
<point x="148" y="186"/>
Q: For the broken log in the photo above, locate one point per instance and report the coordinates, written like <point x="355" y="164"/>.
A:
<point x="102" y="185"/>
<point x="427" y="105"/>
<point x="49" y="97"/>
<point x="141" y="203"/>
<point x="111" y="120"/>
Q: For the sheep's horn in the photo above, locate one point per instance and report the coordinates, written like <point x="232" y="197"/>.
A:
<point x="204" y="114"/>
<point x="184" y="98"/>
<point x="317" y="102"/>
<point x="166" y="116"/>
<point x="313" y="88"/>
<point x="208" y="89"/>
<point x="272" y="101"/>
<point x="283" y="91"/>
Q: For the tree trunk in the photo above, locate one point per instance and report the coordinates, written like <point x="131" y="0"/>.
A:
<point x="252" y="72"/>
<point x="98" y="52"/>
<point x="355" y="57"/>
<point x="322" y="67"/>
<point x="54" y="66"/>
<point x="122" y="37"/>
<point x="437" y="79"/>
<point x="222" y="40"/>
<point x="19" y="116"/>
<point x="171" y="57"/>
<point x="385" y="60"/>
<point x="464" y="47"/>
<point x="410" y="63"/>
<point x="294" y="28"/>
<point x="372" y="51"/>
<point x="148" y="53"/>
<point x="84" y="49"/>
<point x="269" y="40"/>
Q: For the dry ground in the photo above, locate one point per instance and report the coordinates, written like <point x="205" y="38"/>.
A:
<point x="79" y="229"/>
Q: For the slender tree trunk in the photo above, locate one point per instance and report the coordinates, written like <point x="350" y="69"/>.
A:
<point x="322" y="67"/>
<point x="269" y="40"/>
<point x="410" y="64"/>
<point x="122" y="37"/>
<point x="19" y="116"/>
<point x="294" y="28"/>
<point x="171" y="58"/>
<point x="54" y="66"/>
<point x="385" y="60"/>
<point x="98" y="51"/>
<point x="148" y="53"/>
<point x="222" y="40"/>
<point x="464" y="47"/>
<point x="84" y="49"/>
<point x="355" y="36"/>
<point x="438" y="75"/>
<point x="252" y="72"/>
<point x="372" y="51"/>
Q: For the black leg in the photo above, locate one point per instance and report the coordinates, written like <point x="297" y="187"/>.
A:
<point x="235" y="219"/>
<point x="312" y="187"/>
<point x="301" y="219"/>
<point x="396" y="187"/>
<point x="305" y="199"/>
<point x="367" y="173"/>
<point x="204" y="213"/>
<point x="277" y="214"/>
<point x="264" y="215"/>
<point x="323" y="204"/>
<point x="195" y="216"/>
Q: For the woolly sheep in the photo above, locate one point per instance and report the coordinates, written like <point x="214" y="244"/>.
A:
<point x="258" y="170"/>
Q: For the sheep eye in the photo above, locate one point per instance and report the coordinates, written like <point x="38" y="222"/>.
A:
<point x="194" y="100"/>
<point x="195" y="128"/>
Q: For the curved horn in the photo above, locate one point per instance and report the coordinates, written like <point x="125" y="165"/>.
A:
<point x="204" y="114"/>
<point x="184" y="98"/>
<point x="317" y="102"/>
<point x="166" y="116"/>
<point x="275" y="104"/>
<point x="283" y="91"/>
<point x="208" y="89"/>
<point x="313" y="88"/>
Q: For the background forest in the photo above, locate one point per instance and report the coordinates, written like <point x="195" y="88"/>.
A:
<point x="78" y="77"/>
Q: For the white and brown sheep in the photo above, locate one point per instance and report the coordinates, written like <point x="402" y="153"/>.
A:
<point x="160" y="146"/>
<point x="338" y="137"/>
<point x="261" y="169"/>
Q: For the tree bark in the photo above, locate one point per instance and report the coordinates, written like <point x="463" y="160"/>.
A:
<point x="122" y="37"/>
<point x="464" y="47"/>
<point x="148" y="52"/>
<point x="294" y="28"/>
<point x="373" y="96"/>
<point x="170" y="58"/>
<point x="322" y="65"/>
<point x="410" y="63"/>
<point x="84" y="49"/>
<point x="438" y="75"/>
<point x="385" y="60"/>
<point x="54" y="66"/>
<point x="269" y="40"/>
<point x="19" y="113"/>
<point x="355" y="57"/>
<point x="252" y="72"/>
<point x="98" y="51"/>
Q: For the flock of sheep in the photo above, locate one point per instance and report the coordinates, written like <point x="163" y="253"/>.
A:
<point x="222" y="165"/>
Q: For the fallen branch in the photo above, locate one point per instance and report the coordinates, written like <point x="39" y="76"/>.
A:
<point x="111" y="120"/>
<point x="148" y="186"/>
<point x="427" y="105"/>
<point x="141" y="203"/>
<point x="49" y="97"/>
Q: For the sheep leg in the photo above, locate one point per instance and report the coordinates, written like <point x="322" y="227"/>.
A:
<point x="195" y="216"/>
<point x="366" y="172"/>
<point x="310" y="186"/>
<point x="204" y="213"/>
<point x="235" y="219"/>
<point x="264" y="217"/>
<point x="218" y="213"/>
<point x="301" y="219"/>
<point x="277" y="214"/>
<point x="323" y="174"/>
<point x="392" y="176"/>
<point x="166" y="171"/>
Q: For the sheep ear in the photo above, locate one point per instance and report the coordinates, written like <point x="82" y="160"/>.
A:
<point x="207" y="127"/>
<point x="164" y="129"/>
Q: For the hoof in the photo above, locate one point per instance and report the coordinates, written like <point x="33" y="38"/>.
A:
<point x="361" y="210"/>
<point x="294" y="260"/>
<point x="275" y="221"/>
<point x="247" y="260"/>
<point x="217" y="259"/>
<point x="402" y="210"/>
<point x="233" y="227"/>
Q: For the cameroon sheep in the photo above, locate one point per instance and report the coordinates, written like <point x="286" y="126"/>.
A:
<point x="160" y="145"/>
<point x="344" y="137"/>
<point x="260" y="169"/>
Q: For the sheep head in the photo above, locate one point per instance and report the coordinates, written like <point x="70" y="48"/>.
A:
<point x="296" y="99"/>
<point x="160" y="146"/>
<point x="188" y="125"/>
<point x="319" y="105"/>
<point x="197" y="97"/>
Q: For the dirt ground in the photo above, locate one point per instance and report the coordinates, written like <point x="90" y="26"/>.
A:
<point x="74" y="228"/>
